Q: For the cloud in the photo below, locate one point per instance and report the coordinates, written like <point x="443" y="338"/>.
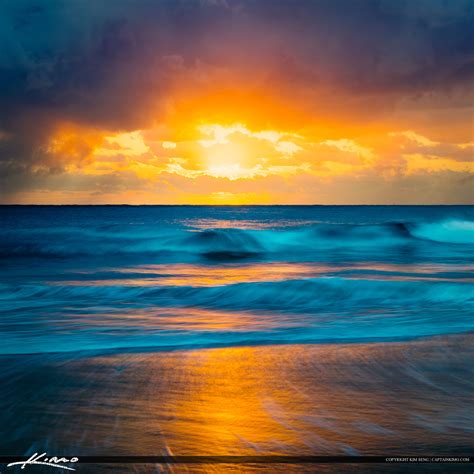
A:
<point x="414" y="137"/>
<point x="111" y="68"/>
<point x="130" y="144"/>
<point x="350" y="146"/>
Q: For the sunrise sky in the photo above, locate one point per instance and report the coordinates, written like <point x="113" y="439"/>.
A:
<point x="236" y="101"/>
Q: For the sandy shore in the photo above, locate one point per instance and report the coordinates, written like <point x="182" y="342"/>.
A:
<point x="375" y="399"/>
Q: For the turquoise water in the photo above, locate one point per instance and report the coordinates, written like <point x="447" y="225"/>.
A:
<point x="123" y="278"/>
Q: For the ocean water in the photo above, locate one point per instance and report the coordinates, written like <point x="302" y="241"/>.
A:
<point x="131" y="278"/>
<point x="194" y="330"/>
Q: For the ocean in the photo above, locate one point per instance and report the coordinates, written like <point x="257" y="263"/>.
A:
<point x="236" y="329"/>
<point x="123" y="278"/>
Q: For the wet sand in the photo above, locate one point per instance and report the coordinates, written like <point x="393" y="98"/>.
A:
<point x="411" y="398"/>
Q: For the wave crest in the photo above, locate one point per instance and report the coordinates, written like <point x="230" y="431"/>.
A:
<point x="450" y="232"/>
<point x="229" y="243"/>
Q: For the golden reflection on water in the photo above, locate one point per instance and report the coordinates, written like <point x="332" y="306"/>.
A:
<point x="189" y="319"/>
<point x="199" y="275"/>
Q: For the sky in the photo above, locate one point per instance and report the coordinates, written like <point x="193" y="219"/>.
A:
<point x="236" y="101"/>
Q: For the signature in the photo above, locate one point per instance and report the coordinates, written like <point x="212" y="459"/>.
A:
<point x="45" y="461"/>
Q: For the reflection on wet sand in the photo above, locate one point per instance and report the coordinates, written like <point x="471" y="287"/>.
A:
<point x="399" y="398"/>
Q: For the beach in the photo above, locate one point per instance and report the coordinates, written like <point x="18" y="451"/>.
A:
<point x="237" y="331"/>
<point x="355" y="399"/>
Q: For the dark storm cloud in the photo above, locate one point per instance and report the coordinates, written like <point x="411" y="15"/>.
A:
<point x="84" y="56"/>
<point x="111" y="64"/>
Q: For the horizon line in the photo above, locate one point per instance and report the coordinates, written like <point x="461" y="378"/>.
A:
<point x="231" y="205"/>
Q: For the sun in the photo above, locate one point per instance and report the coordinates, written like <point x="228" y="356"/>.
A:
<point x="226" y="161"/>
<point x="222" y="154"/>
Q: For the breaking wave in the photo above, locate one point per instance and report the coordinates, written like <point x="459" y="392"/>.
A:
<point x="229" y="243"/>
<point x="294" y="311"/>
<point x="93" y="278"/>
<point x="452" y="232"/>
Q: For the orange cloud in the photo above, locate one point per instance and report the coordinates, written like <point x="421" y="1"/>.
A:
<point x="238" y="163"/>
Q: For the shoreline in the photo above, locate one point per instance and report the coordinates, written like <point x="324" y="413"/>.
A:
<point x="353" y="399"/>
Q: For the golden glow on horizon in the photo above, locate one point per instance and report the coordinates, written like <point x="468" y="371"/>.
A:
<point x="187" y="159"/>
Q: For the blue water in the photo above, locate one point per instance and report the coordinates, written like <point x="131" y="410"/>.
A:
<point x="124" y="278"/>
